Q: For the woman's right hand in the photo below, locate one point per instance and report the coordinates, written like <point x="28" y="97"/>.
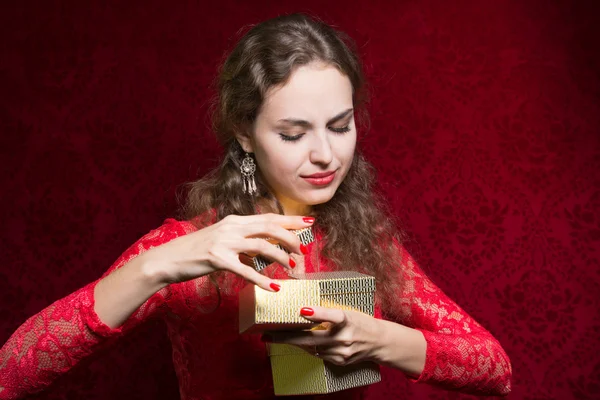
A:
<point x="218" y="247"/>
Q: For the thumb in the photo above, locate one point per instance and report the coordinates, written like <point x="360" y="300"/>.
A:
<point x="323" y="314"/>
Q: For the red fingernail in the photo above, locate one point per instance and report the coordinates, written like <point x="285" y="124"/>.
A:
<point x="307" y="311"/>
<point x="303" y="249"/>
<point x="292" y="262"/>
<point x="275" y="287"/>
<point x="266" y="338"/>
<point x="308" y="220"/>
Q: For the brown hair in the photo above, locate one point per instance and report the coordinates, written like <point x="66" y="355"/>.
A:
<point x="356" y="225"/>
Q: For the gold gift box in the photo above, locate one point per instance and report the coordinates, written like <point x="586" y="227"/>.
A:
<point x="294" y="370"/>
<point x="261" y="310"/>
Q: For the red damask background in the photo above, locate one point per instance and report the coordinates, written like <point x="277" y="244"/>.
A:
<point x="485" y="132"/>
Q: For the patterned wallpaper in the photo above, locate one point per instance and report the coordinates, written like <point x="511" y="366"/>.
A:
<point x="485" y="122"/>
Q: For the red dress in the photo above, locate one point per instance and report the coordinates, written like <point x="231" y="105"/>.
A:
<point x="213" y="361"/>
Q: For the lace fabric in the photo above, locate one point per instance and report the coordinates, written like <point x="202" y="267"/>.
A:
<point x="54" y="340"/>
<point x="461" y="354"/>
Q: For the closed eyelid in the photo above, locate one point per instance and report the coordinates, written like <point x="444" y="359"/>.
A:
<point x="344" y="122"/>
<point x="293" y="130"/>
<point x="292" y="122"/>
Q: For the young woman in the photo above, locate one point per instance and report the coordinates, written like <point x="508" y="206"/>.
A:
<point x="291" y="95"/>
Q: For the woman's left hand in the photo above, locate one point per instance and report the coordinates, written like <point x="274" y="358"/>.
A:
<point x="350" y="336"/>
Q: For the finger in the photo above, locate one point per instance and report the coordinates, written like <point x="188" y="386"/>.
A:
<point x="275" y="233"/>
<point x="338" y="355"/>
<point x="304" y="339"/>
<point x="324" y="314"/>
<point x="266" y="249"/>
<point x="337" y="359"/>
<point x="319" y="350"/>
<point x="288" y="221"/>
<point x="253" y="276"/>
<point x="285" y="221"/>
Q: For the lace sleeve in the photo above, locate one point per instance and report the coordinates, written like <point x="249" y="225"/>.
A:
<point x="51" y="342"/>
<point x="461" y="354"/>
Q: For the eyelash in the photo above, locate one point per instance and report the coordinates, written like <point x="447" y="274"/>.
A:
<point x="287" y="138"/>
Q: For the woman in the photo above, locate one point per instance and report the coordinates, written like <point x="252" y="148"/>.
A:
<point x="288" y="96"/>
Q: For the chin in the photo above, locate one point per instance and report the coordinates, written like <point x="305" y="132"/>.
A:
<point x="317" y="198"/>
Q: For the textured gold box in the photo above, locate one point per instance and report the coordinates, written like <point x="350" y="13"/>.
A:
<point x="261" y="310"/>
<point x="295" y="371"/>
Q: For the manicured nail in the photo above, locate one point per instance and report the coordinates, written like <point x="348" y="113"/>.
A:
<point x="308" y="220"/>
<point x="303" y="249"/>
<point x="266" y="338"/>
<point x="307" y="311"/>
<point x="292" y="262"/>
<point x="275" y="287"/>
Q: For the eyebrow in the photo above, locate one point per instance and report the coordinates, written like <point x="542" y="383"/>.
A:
<point x="306" y="124"/>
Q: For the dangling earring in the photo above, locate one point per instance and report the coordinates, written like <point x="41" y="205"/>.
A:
<point x="248" y="168"/>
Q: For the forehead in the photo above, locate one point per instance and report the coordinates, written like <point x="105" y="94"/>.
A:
<point x="313" y="92"/>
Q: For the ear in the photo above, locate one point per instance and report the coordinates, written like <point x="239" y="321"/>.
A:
<point x="245" y="142"/>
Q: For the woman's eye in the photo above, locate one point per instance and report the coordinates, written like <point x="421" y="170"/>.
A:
<point x="293" y="138"/>
<point x="288" y="138"/>
<point x="343" y="129"/>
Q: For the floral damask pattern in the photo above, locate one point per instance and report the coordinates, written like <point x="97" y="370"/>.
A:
<point x="485" y="120"/>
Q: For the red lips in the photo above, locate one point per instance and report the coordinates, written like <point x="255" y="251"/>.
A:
<point x="321" y="178"/>
<point x="319" y="174"/>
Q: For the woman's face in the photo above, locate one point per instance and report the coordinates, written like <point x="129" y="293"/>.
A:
<point x="305" y="127"/>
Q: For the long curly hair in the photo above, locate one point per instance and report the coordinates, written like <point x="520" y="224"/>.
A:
<point x="358" y="228"/>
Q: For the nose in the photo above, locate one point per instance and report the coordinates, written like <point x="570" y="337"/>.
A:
<point x="321" y="152"/>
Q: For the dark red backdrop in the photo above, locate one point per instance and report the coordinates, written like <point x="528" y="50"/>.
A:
<point x="485" y="132"/>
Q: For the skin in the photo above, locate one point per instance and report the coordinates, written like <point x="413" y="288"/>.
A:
<point x="315" y="94"/>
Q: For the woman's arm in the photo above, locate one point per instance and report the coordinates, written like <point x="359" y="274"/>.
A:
<point x="459" y="353"/>
<point x="120" y="292"/>
<point x="134" y="288"/>
<point x="51" y="342"/>
<point x="400" y="347"/>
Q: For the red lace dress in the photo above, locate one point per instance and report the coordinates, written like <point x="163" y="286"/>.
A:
<point x="213" y="361"/>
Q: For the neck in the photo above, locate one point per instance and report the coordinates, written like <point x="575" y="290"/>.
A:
<point x="291" y="207"/>
<point x="299" y="210"/>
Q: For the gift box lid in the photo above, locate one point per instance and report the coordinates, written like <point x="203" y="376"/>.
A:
<point x="262" y="310"/>
<point x="340" y="282"/>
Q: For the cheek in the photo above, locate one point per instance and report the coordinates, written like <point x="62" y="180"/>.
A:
<point x="351" y="150"/>
<point x="346" y="148"/>
<point x="280" y="163"/>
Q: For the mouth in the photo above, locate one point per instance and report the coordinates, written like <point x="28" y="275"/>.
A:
<point x="320" y="174"/>
<point x="321" y="178"/>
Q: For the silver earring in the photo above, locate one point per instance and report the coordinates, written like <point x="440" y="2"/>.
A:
<point x="248" y="168"/>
